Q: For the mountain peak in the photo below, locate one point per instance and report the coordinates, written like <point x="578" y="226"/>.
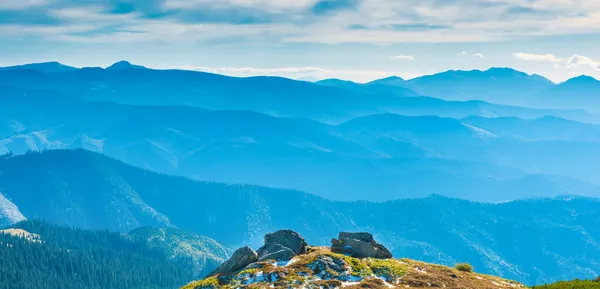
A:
<point x="391" y="81"/>
<point x="504" y="71"/>
<point x="47" y="67"/>
<point x="123" y="64"/>
<point x="582" y="79"/>
<point x="392" y="78"/>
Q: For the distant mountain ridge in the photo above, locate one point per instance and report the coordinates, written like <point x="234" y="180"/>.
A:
<point x="46" y="67"/>
<point x="581" y="91"/>
<point x="499" y="85"/>
<point x="533" y="241"/>
<point x="393" y="155"/>
<point x="337" y="101"/>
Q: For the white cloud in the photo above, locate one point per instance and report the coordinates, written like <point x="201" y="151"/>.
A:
<point x="21" y="4"/>
<point x="403" y="57"/>
<point x="579" y="60"/>
<point x="537" y="57"/>
<point x="574" y="61"/>
<point x="296" y="72"/>
<point x="389" y="21"/>
<point x="467" y="54"/>
<point x="265" y="5"/>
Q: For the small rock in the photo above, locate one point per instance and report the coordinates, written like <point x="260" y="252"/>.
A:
<point x="288" y="239"/>
<point x="326" y="263"/>
<point x="240" y="259"/>
<point x="359" y="245"/>
<point x="275" y="252"/>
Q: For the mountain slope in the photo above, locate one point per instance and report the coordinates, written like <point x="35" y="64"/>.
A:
<point x="320" y="267"/>
<point x="545" y="128"/>
<point x="498" y="85"/>
<point x="578" y="92"/>
<point x="206" y="254"/>
<point x="533" y="241"/>
<point x="46" y="67"/>
<point x="60" y="257"/>
<point x="9" y="212"/>
<point x="392" y="155"/>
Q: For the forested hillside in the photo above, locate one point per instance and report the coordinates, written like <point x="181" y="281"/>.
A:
<point x="67" y="258"/>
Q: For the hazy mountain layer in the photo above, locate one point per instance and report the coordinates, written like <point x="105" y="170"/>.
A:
<point x="533" y="241"/>
<point x="392" y="156"/>
<point x="334" y="102"/>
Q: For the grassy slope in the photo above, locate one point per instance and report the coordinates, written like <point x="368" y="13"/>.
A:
<point x="359" y="273"/>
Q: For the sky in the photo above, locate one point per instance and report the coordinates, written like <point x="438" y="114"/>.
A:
<point x="358" y="40"/>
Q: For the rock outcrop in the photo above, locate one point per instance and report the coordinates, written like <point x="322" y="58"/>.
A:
<point x="279" y="246"/>
<point x="275" y="252"/>
<point x="321" y="268"/>
<point x="288" y="239"/>
<point x="241" y="258"/>
<point x="359" y="245"/>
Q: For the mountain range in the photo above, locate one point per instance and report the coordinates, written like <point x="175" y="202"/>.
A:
<point x="391" y="156"/>
<point x="127" y="83"/>
<point x="458" y="166"/>
<point x="533" y="241"/>
<point x="496" y="85"/>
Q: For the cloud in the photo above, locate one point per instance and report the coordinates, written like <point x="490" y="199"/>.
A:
<point x="579" y="60"/>
<point x="403" y="57"/>
<point x="295" y="72"/>
<point x="573" y="61"/>
<point x="467" y="54"/>
<point x="537" y="57"/>
<point x="312" y="21"/>
<point x="21" y="4"/>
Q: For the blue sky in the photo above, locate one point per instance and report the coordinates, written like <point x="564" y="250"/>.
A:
<point x="351" y="39"/>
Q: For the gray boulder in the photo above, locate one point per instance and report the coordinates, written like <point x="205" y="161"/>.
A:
<point x="359" y="245"/>
<point x="326" y="264"/>
<point x="288" y="239"/>
<point x="240" y="259"/>
<point x="275" y="252"/>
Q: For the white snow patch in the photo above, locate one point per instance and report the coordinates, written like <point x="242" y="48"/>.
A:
<point x="482" y="133"/>
<point x="9" y="212"/>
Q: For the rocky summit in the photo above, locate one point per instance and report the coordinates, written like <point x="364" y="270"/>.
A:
<point x="359" y="245"/>
<point x="355" y="260"/>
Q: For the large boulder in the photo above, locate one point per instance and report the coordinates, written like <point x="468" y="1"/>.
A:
<point x="359" y="245"/>
<point x="288" y="239"/>
<point x="240" y="259"/>
<point x="275" y="252"/>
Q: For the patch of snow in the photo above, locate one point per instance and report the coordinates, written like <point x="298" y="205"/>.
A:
<point x="346" y="284"/>
<point x="89" y="143"/>
<point x="385" y="282"/>
<point x="284" y="263"/>
<point x="9" y="212"/>
<point x="482" y="133"/>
